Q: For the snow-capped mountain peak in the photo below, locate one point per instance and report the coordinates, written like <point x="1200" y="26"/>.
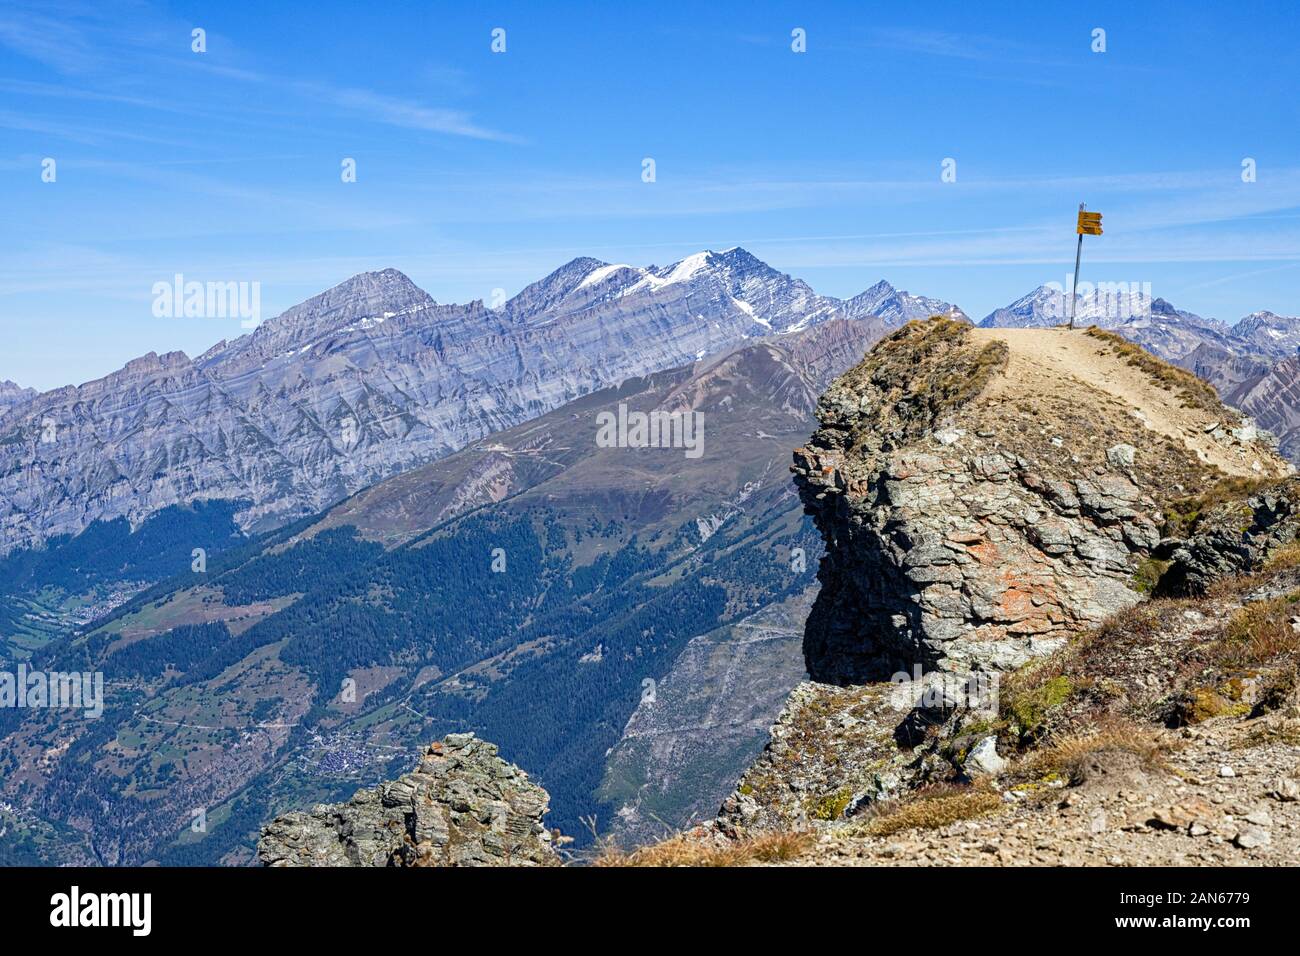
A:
<point x="1270" y="332"/>
<point x="897" y="306"/>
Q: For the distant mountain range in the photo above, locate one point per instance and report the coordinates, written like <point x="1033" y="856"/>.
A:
<point x="372" y="378"/>
<point x="623" y="621"/>
<point x="1153" y="323"/>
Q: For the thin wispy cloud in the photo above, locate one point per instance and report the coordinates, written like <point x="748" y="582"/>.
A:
<point x="937" y="43"/>
<point x="960" y="46"/>
<point x="49" y="38"/>
<point x="77" y="132"/>
<point x="375" y="107"/>
<point x="81" y="42"/>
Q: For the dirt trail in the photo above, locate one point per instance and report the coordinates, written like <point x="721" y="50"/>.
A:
<point x="1052" y="361"/>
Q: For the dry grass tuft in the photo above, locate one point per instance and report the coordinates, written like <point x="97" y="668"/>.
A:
<point x="1284" y="558"/>
<point x="1194" y="392"/>
<point x="1069" y="756"/>
<point x="930" y="810"/>
<point x="1258" y="633"/>
<point x="687" y="850"/>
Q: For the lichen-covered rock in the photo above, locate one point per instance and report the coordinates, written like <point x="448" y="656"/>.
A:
<point x="461" y="806"/>
<point x="835" y="752"/>
<point x="975" y="509"/>
<point x="832" y="753"/>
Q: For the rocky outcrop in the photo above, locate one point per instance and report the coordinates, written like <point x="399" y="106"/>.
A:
<point x="986" y="499"/>
<point x="461" y="806"/>
<point x="832" y="751"/>
<point x="1232" y="537"/>
<point x="985" y="494"/>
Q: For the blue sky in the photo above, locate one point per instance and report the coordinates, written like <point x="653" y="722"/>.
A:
<point x="479" y="171"/>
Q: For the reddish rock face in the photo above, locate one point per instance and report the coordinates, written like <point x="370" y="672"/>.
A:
<point x="985" y="565"/>
<point x="974" y="521"/>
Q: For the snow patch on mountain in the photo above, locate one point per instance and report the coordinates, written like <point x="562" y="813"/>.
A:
<point x="597" y="276"/>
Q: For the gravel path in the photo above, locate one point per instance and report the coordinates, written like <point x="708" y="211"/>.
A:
<point x="1047" y="362"/>
<point x="1230" y="798"/>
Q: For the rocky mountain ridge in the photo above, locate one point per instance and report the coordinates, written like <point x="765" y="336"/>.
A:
<point x="12" y="395"/>
<point x="372" y="378"/>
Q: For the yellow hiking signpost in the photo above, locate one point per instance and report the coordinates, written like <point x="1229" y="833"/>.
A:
<point x="1089" y="224"/>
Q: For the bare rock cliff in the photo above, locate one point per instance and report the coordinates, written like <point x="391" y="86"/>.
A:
<point x="985" y="493"/>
